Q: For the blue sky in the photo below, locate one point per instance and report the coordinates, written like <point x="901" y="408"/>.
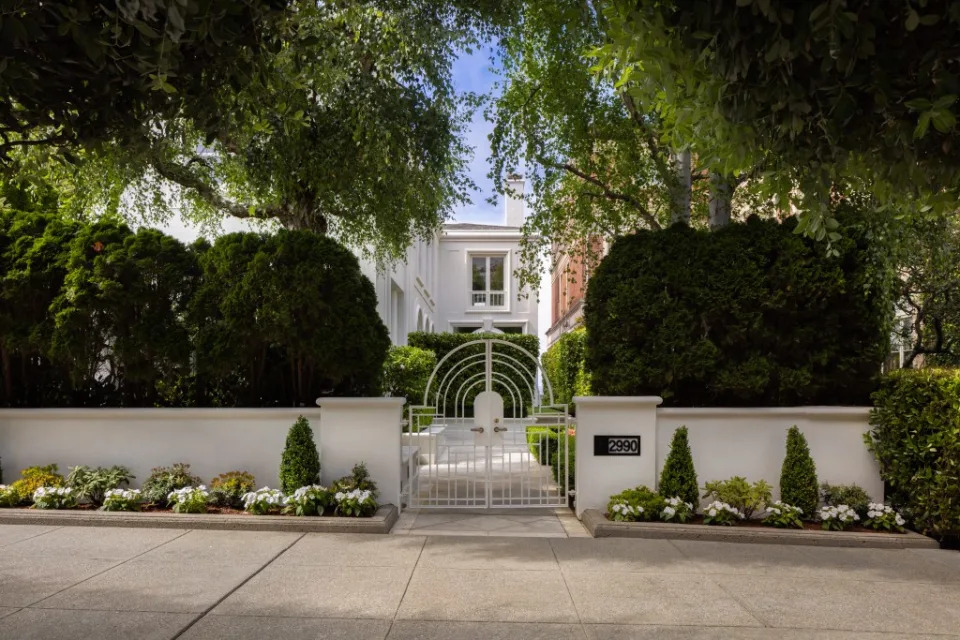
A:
<point x="472" y="72"/>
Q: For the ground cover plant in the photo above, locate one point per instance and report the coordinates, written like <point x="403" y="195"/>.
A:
<point x="309" y="501"/>
<point x="356" y="503"/>
<point x="54" y="498"/>
<point x="635" y="505"/>
<point x="263" y="501"/>
<point x="122" y="500"/>
<point x="33" y="478"/>
<point x="852" y="495"/>
<point x="838" y="518"/>
<point x="784" y="516"/>
<point x="676" y="510"/>
<point x="189" y="499"/>
<point x="721" y="513"/>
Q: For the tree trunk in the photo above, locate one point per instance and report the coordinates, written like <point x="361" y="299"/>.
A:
<point x="721" y="195"/>
<point x="682" y="186"/>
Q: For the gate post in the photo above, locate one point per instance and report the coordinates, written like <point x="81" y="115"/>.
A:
<point x="599" y="476"/>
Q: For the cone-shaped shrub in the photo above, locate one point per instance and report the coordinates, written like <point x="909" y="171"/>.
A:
<point x="679" y="478"/>
<point x="798" y="477"/>
<point x="300" y="465"/>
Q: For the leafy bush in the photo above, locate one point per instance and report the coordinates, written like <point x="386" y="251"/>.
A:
<point x="721" y="513"/>
<point x="563" y="366"/>
<point x="8" y="496"/>
<point x="406" y="371"/>
<point x="852" y="495"/>
<point x="740" y="494"/>
<point x="749" y="315"/>
<point x="93" y="484"/>
<point x="443" y="343"/>
<point x="357" y="503"/>
<point x="359" y="479"/>
<point x="785" y="516"/>
<point x="565" y="453"/>
<point x="300" y="464"/>
<point x="54" y="498"/>
<point x="263" y="501"/>
<point x="122" y="500"/>
<point x="678" y="477"/>
<point x="915" y="439"/>
<point x="163" y="481"/>
<point x="227" y="489"/>
<point x="635" y="505"/>
<point x="798" y="475"/>
<point x="189" y="499"/>
<point x="543" y="443"/>
<point x="309" y="501"/>
<point x="33" y="478"/>
<point x="838" y="518"/>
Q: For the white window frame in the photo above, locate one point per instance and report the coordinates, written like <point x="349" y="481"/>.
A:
<point x="473" y="301"/>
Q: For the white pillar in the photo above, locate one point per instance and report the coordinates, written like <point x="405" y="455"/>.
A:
<point x="365" y="430"/>
<point x="599" y="477"/>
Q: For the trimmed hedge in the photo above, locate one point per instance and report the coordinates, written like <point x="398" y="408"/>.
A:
<point x="406" y="371"/>
<point x="94" y="314"/>
<point x="442" y="343"/>
<point x="563" y="364"/>
<point x="749" y="315"/>
<point x="916" y="438"/>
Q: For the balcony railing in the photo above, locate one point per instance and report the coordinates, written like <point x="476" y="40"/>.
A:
<point x="488" y="299"/>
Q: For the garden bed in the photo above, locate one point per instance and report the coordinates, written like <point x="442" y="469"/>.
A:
<point x="599" y="526"/>
<point x="228" y="519"/>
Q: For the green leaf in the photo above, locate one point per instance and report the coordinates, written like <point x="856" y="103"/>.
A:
<point x="922" y="125"/>
<point x="918" y="104"/>
<point x="913" y="20"/>
<point x="943" y="121"/>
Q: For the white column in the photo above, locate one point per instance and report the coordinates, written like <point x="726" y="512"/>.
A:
<point x="365" y="430"/>
<point x="599" y="477"/>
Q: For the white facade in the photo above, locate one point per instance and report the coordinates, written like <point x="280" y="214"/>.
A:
<point x="460" y="281"/>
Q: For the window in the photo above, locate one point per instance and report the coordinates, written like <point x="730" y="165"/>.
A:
<point x="488" y="281"/>
<point x="470" y="329"/>
<point x="509" y="328"/>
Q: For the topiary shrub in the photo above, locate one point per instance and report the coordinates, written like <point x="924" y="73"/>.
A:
<point x="162" y="481"/>
<point x="798" y="476"/>
<point x="679" y="478"/>
<point x="749" y="315"/>
<point x="916" y="439"/>
<point x="300" y="464"/>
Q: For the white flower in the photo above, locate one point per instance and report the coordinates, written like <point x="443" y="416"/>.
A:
<point x="669" y="512"/>
<point x="712" y="512"/>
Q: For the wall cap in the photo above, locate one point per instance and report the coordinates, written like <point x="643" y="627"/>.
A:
<point x="811" y="411"/>
<point x="361" y="402"/>
<point x="160" y="413"/>
<point x="599" y="401"/>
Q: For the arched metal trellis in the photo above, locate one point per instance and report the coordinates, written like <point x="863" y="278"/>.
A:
<point x="462" y="449"/>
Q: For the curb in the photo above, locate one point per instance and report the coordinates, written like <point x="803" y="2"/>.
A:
<point x="381" y="522"/>
<point x="599" y="527"/>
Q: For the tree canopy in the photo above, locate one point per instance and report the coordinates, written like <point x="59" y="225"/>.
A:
<point x="336" y="117"/>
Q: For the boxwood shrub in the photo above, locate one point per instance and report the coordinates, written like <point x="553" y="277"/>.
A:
<point x="749" y="315"/>
<point x="916" y="438"/>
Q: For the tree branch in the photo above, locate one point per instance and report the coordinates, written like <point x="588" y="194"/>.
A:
<point x="610" y="194"/>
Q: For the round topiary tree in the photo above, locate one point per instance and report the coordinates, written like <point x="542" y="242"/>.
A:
<point x="300" y="465"/>
<point x="679" y="478"/>
<point x="798" y="477"/>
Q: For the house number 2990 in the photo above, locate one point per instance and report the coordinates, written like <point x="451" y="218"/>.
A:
<point x="616" y="445"/>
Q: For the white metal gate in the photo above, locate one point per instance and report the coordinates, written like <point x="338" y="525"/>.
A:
<point x="517" y="458"/>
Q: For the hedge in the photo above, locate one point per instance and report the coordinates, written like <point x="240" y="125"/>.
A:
<point x="442" y="343"/>
<point x="749" y="315"/>
<point x="98" y="315"/>
<point x="563" y="364"/>
<point x="406" y="371"/>
<point x="915" y="437"/>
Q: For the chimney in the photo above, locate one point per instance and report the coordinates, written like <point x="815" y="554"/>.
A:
<point x="513" y="201"/>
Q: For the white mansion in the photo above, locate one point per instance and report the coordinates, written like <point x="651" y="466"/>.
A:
<point x="460" y="281"/>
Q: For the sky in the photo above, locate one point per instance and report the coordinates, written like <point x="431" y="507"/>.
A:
<point x="471" y="72"/>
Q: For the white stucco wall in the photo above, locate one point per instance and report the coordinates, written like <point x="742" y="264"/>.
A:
<point x="725" y="442"/>
<point x="212" y="441"/>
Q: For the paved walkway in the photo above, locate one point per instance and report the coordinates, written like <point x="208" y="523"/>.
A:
<point x="517" y="523"/>
<point x="81" y="583"/>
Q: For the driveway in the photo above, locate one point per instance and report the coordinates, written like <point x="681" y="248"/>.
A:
<point x="103" y="583"/>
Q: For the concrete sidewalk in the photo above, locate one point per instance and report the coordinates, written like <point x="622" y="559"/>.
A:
<point x="103" y="583"/>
